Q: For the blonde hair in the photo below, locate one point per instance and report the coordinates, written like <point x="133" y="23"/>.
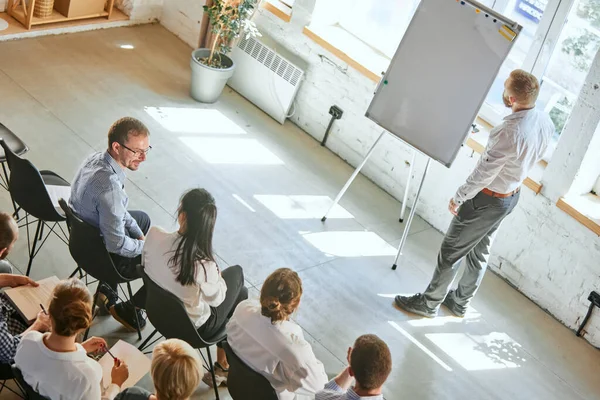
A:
<point x="523" y="86"/>
<point x="176" y="370"/>
<point x="280" y="294"/>
<point x="70" y="308"/>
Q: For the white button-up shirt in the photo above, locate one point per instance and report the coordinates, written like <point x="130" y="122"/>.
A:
<point x="278" y="351"/>
<point x="513" y="149"/>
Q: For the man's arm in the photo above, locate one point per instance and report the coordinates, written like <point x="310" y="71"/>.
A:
<point x="498" y="151"/>
<point x="112" y="216"/>
<point x="132" y="226"/>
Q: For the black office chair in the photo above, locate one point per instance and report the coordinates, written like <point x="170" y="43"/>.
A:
<point x="168" y="315"/>
<point x="6" y="374"/>
<point x="27" y="187"/>
<point x="18" y="147"/>
<point x="243" y="382"/>
<point x="89" y="252"/>
<point x="29" y="392"/>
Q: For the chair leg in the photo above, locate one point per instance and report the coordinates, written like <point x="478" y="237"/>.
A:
<point x="137" y="320"/>
<point x="211" y="368"/>
<point x="33" y="248"/>
<point x="87" y="331"/>
<point x="143" y="345"/>
<point x="75" y="272"/>
<point x="41" y="232"/>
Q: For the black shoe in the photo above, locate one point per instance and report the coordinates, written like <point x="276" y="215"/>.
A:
<point x="125" y="313"/>
<point x="451" y="305"/>
<point x="416" y="305"/>
<point x="106" y="299"/>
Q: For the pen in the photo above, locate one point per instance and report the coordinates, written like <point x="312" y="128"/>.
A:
<point x="43" y="309"/>
<point x="111" y="354"/>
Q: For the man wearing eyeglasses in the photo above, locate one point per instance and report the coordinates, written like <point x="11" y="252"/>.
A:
<point x="98" y="197"/>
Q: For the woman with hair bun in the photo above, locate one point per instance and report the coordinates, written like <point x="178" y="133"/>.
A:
<point x="57" y="367"/>
<point x="267" y="340"/>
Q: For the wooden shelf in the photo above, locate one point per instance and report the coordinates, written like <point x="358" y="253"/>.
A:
<point x="55" y="17"/>
<point x="16" y="10"/>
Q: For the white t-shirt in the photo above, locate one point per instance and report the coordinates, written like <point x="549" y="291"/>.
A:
<point x="208" y="291"/>
<point x="60" y="376"/>
<point x="278" y="351"/>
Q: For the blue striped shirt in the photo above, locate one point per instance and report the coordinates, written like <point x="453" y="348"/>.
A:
<point x="333" y="392"/>
<point x="98" y="197"/>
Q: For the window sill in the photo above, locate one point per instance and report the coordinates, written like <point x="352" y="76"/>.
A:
<point x="584" y="209"/>
<point x="478" y="141"/>
<point x="349" y="49"/>
<point x="278" y="8"/>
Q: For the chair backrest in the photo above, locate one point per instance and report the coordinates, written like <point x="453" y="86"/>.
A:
<point x="88" y="249"/>
<point x="168" y="315"/>
<point x="31" y="394"/>
<point x="27" y="187"/>
<point x="243" y="382"/>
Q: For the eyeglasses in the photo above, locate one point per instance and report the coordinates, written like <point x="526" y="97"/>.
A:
<point x="138" y="152"/>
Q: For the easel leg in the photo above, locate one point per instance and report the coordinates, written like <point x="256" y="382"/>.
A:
<point x="410" y="172"/>
<point x="354" y="174"/>
<point x="411" y="216"/>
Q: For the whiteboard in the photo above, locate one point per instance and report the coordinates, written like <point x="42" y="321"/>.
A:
<point x="441" y="74"/>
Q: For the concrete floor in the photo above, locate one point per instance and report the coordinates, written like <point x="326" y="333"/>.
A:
<point x="272" y="184"/>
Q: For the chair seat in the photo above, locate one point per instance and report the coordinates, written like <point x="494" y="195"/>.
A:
<point x="12" y="141"/>
<point x="52" y="178"/>
<point x="217" y="337"/>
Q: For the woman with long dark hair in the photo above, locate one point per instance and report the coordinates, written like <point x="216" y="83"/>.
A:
<point x="183" y="263"/>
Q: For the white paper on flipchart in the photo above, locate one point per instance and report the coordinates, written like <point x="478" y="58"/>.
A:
<point x="439" y="77"/>
<point x="137" y="363"/>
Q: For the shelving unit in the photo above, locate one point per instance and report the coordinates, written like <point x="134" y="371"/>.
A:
<point x="23" y="12"/>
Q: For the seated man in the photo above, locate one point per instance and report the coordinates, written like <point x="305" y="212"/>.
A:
<point x="12" y="326"/>
<point x="9" y="233"/>
<point x="98" y="197"/>
<point x="370" y="364"/>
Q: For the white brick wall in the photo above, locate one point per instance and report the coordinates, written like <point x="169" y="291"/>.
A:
<point x="183" y="18"/>
<point x="141" y="10"/>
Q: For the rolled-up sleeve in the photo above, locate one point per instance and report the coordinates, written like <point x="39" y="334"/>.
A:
<point x="499" y="149"/>
<point x="132" y="226"/>
<point x="112" y="220"/>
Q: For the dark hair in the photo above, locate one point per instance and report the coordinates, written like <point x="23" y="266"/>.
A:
<point x="7" y="230"/>
<point x="280" y="294"/>
<point x="119" y="131"/>
<point x="371" y="362"/>
<point x="71" y="307"/>
<point x="195" y="244"/>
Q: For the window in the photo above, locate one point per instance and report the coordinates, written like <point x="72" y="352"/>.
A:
<point x="528" y="14"/>
<point x="379" y="23"/>
<point x="570" y="62"/>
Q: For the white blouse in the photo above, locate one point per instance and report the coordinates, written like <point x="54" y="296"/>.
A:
<point x="61" y="376"/>
<point x="278" y="351"/>
<point x="208" y="291"/>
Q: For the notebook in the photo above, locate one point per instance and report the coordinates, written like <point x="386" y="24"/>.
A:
<point x="27" y="299"/>
<point x="137" y="363"/>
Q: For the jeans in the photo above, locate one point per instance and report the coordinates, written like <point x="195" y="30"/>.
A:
<point x="236" y="293"/>
<point x="469" y="236"/>
<point x="127" y="267"/>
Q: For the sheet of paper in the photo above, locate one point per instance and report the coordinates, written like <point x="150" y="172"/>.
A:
<point x="58" y="192"/>
<point x="27" y="299"/>
<point x="137" y="362"/>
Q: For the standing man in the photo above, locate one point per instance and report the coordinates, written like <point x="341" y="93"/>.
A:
<point x="489" y="195"/>
<point x="98" y="197"/>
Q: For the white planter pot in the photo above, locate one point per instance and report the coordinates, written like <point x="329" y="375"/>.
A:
<point x="207" y="82"/>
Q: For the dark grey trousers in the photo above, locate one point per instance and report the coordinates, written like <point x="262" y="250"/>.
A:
<point x="470" y="235"/>
<point x="133" y="393"/>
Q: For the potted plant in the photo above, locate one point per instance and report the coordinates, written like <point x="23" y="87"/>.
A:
<point x="211" y="68"/>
